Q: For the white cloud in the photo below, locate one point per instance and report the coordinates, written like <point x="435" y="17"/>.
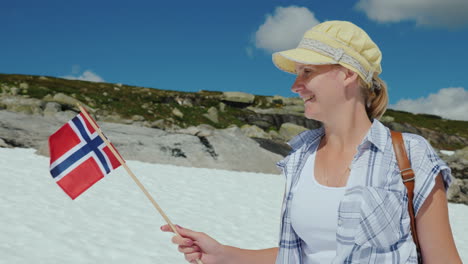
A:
<point x="434" y="13"/>
<point x="85" y="76"/>
<point x="284" y="29"/>
<point x="450" y="103"/>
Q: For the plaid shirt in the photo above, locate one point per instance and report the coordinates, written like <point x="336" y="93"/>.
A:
<point x="373" y="219"/>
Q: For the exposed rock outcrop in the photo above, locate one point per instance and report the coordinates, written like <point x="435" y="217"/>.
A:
<point x="458" y="162"/>
<point x="431" y="135"/>
<point x="222" y="149"/>
<point x="238" y="98"/>
<point x="289" y="130"/>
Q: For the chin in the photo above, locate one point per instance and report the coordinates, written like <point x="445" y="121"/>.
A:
<point x="313" y="116"/>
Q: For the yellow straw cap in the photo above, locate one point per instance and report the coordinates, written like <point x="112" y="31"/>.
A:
<point x="334" y="42"/>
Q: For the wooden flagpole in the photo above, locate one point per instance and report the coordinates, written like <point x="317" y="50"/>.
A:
<point x="122" y="162"/>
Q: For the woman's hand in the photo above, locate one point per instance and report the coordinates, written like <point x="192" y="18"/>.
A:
<point x="197" y="245"/>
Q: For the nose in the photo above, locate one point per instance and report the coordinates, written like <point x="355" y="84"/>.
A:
<point x="297" y="85"/>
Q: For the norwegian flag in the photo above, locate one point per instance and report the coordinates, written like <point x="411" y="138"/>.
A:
<point x="79" y="157"/>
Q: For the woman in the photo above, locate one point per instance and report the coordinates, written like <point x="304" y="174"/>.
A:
<point x="345" y="201"/>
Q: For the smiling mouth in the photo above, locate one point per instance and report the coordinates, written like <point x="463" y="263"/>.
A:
<point x="308" y="99"/>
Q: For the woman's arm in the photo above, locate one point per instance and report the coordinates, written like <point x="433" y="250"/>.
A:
<point x="262" y="256"/>
<point x="198" y="245"/>
<point x="433" y="227"/>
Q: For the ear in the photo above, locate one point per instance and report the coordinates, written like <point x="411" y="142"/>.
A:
<point x="349" y="76"/>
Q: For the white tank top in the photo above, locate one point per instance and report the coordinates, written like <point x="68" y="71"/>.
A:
<point x="314" y="215"/>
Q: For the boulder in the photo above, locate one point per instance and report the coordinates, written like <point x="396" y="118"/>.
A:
<point x="293" y="101"/>
<point x="261" y="123"/>
<point x="3" y="144"/>
<point x="212" y="114"/>
<point x="21" y="104"/>
<point x="14" y="90"/>
<point x="275" y="117"/>
<point x="191" y="130"/>
<point x="222" y="107"/>
<point x="458" y="162"/>
<point x="204" y="130"/>
<point x="170" y="126"/>
<point x="458" y="191"/>
<point x="177" y="113"/>
<point x="184" y="101"/>
<point x="461" y="154"/>
<point x="254" y="132"/>
<point x="26" y="130"/>
<point x="51" y="108"/>
<point x="289" y="130"/>
<point x="275" y="135"/>
<point x="295" y="108"/>
<point x="238" y="97"/>
<point x="137" y="118"/>
<point x="24" y="86"/>
<point x="284" y="100"/>
<point x="69" y="101"/>
<point x="160" y="123"/>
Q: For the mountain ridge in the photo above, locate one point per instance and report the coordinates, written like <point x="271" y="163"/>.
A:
<point x="168" y="109"/>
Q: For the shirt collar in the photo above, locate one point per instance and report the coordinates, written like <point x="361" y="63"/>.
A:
<point x="307" y="137"/>
<point x="377" y="135"/>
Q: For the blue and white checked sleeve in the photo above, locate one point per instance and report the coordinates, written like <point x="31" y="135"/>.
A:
<point x="426" y="165"/>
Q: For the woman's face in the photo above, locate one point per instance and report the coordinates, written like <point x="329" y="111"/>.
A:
<point x="321" y="87"/>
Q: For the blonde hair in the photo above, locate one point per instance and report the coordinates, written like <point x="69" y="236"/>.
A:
<point x="375" y="97"/>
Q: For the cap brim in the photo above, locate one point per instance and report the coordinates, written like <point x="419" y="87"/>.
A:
<point x="286" y="60"/>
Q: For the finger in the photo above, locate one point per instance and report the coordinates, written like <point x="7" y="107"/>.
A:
<point x="185" y="232"/>
<point x="166" y="228"/>
<point x="182" y="241"/>
<point x="188" y="250"/>
<point x="193" y="256"/>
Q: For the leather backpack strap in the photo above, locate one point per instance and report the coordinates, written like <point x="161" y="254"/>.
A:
<point x="407" y="175"/>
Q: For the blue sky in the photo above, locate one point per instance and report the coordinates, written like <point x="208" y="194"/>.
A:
<point x="217" y="45"/>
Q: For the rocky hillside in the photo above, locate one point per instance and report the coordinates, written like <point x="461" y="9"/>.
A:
<point x="264" y="117"/>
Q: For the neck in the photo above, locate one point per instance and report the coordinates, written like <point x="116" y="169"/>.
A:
<point x="345" y="130"/>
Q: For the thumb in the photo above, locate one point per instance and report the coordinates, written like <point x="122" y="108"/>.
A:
<point x="185" y="232"/>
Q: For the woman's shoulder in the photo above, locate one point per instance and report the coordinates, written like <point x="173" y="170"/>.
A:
<point x="418" y="147"/>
